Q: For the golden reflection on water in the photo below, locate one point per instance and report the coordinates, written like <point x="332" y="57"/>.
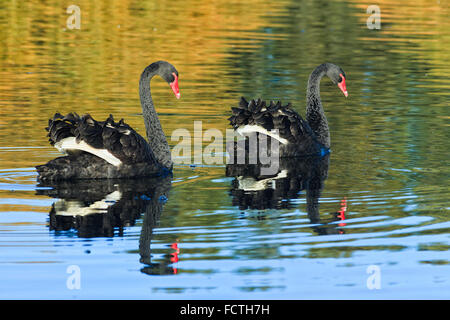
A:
<point x="222" y="50"/>
<point x="423" y="26"/>
<point x="47" y="67"/>
<point x="389" y="147"/>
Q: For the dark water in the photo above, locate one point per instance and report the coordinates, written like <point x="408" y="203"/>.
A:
<point x="318" y="230"/>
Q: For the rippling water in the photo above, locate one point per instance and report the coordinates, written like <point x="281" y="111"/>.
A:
<point x="379" y="202"/>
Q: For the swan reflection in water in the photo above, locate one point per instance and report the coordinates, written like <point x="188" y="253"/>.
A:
<point x="103" y="208"/>
<point x="252" y="190"/>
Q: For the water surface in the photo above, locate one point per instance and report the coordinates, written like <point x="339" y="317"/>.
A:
<point x="381" y="198"/>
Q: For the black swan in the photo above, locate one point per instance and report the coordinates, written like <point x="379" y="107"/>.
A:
<point x="296" y="136"/>
<point x="109" y="149"/>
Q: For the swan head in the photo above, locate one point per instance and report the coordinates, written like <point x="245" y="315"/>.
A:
<point x="337" y="75"/>
<point x="170" y="74"/>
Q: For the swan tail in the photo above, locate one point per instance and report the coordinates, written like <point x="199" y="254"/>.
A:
<point x="258" y="116"/>
<point x="114" y="142"/>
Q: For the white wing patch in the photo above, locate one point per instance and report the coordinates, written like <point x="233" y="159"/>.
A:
<point x="254" y="128"/>
<point x="70" y="143"/>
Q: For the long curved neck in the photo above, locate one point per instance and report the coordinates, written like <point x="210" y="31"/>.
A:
<point x="155" y="135"/>
<point x="315" y="114"/>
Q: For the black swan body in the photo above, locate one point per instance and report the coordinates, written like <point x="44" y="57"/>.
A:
<point x="109" y="149"/>
<point x="297" y="137"/>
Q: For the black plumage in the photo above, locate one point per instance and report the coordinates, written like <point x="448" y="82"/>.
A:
<point x="290" y="126"/>
<point x="109" y="149"/>
<point x="301" y="137"/>
<point x="118" y="138"/>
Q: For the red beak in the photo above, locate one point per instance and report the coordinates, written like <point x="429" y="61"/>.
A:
<point x="174" y="86"/>
<point x="342" y="86"/>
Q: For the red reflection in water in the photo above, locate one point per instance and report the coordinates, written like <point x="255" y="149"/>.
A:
<point x="341" y="213"/>
<point x="174" y="255"/>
